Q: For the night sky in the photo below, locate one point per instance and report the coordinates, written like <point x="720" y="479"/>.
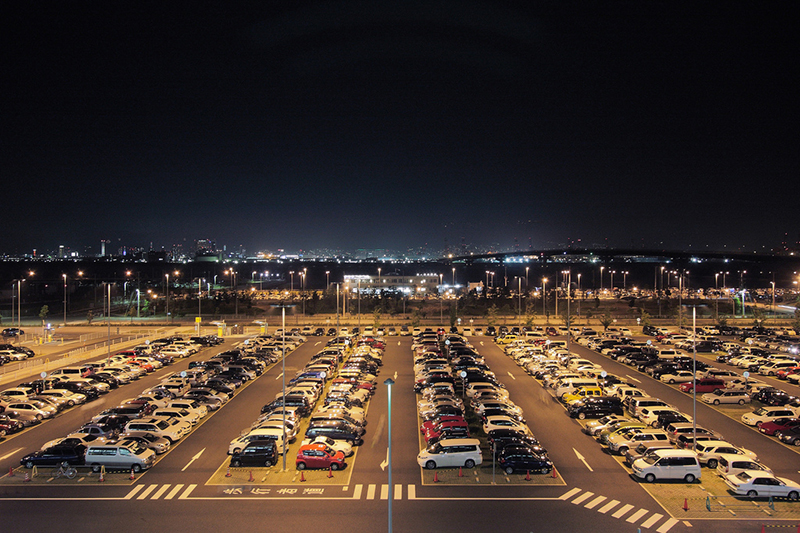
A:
<point x="370" y="124"/>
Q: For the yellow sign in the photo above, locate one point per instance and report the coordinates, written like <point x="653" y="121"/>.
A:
<point x="197" y="319"/>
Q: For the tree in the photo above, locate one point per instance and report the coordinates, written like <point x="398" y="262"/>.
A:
<point x="567" y="318"/>
<point x="645" y="318"/>
<point x="606" y="321"/>
<point x="759" y="316"/>
<point x="89" y="317"/>
<point x="796" y="321"/>
<point x="491" y="316"/>
<point x="376" y="317"/>
<point x="415" y="318"/>
<point x="43" y="312"/>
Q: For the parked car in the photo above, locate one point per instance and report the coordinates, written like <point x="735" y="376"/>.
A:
<point x="451" y="453"/>
<point x="256" y="453"/>
<point x="319" y="455"/>
<point x="760" y="484"/>
<point x="54" y="456"/>
<point x="521" y="458"/>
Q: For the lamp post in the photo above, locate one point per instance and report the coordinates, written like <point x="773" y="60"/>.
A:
<point x="625" y="280"/>
<point x="291" y="282"/>
<point x="544" y="297"/>
<point x="601" y="278"/>
<point x="328" y="280"/>
<point x="379" y="274"/>
<point x="454" y="276"/>
<point x="519" y="303"/>
<point x="167" y="283"/>
<point x="441" y="315"/>
<point x="486" y="291"/>
<point x="389" y="382"/>
<point x="612" y="272"/>
<point x="526" y="277"/>
<point x="65" y="298"/>
<point x="303" y="278"/>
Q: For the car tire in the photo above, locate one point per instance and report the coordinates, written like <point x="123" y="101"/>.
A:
<point x="650" y="478"/>
<point x="95" y="468"/>
<point x="793" y="496"/>
<point x="236" y="463"/>
<point x="268" y="463"/>
<point x="469" y="464"/>
<point x="716" y="402"/>
<point x="671" y="382"/>
<point x="39" y="418"/>
<point x="712" y="463"/>
<point x="301" y="466"/>
<point x="623" y="450"/>
<point x="741" y="402"/>
<point x="796" y="441"/>
<point x="237" y="450"/>
<point x="581" y="416"/>
<point x="509" y="470"/>
<point x="29" y="464"/>
<point x="752" y="494"/>
<point x="71" y="403"/>
<point x="689" y="478"/>
<point x="334" y="466"/>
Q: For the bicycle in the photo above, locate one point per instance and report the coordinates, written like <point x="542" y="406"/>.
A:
<point x="64" y="469"/>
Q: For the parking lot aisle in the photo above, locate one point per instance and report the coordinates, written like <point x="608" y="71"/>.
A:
<point x="373" y="453"/>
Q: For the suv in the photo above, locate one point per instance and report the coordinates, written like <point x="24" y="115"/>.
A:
<point x="319" y="455"/>
<point x="171" y="429"/>
<point x="451" y="453"/>
<point x="668" y="464"/>
<point x="256" y="453"/>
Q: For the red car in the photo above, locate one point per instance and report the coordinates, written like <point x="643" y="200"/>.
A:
<point x="428" y="425"/>
<point x="437" y="429"/>
<point x="780" y="424"/>
<point x="319" y="455"/>
<point x="785" y="372"/>
<point x="704" y="385"/>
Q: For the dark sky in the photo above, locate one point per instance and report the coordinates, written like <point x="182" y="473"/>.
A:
<point x="297" y="124"/>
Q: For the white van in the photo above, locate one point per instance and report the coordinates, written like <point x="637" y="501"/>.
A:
<point x="635" y="405"/>
<point x="668" y="464"/>
<point x="451" y="453"/>
<point x="571" y="385"/>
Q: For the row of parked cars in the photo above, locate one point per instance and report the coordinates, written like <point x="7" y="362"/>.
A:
<point x="130" y="435"/>
<point x="331" y="390"/>
<point x="443" y="362"/>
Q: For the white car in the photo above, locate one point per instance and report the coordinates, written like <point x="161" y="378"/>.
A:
<point x="726" y="396"/>
<point x="679" y="376"/>
<point x="767" y="414"/>
<point x="178" y="413"/>
<point x="709" y="451"/>
<point x="337" y="445"/>
<point x="505" y="422"/>
<point x="758" y="484"/>
<point x="72" y="398"/>
<point x="190" y="405"/>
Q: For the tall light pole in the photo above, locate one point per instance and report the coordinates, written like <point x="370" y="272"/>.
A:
<point x="65" y="298"/>
<point x="454" y="276"/>
<point x="303" y="278"/>
<point x="580" y="294"/>
<point x="612" y="281"/>
<point x="544" y="297"/>
<point x="441" y="313"/>
<point x="601" y="278"/>
<point x="389" y="382"/>
<point x="291" y="282"/>
<point x="379" y="275"/>
<point x="167" y="276"/>
<point x="519" y="303"/>
<point x="625" y="280"/>
<point x="328" y="281"/>
<point x="526" y="277"/>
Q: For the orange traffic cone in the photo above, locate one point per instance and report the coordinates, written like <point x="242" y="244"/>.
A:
<point x="302" y="477"/>
<point x="554" y="473"/>
<point x="330" y="471"/>
<point x="228" y="473"/>
<point x="102" y="476"/>
<point x="435" y="477"/>
<point x="10" y="471"/>
<point x="460" y="473"/>
<point x="251" y="476"/>
<point x="27" y="477"/>
<point x="132" y="475"/>
<point x="685" y="504"/>
<point x="527" y="475"/>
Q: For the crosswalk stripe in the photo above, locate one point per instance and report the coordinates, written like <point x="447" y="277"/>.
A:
<point x="607" y="507"/>
<point x="412" y="492"/>
<point x="133" y="492"/>
<point x="622" y="510"/>
<point x="398" y="492"/>
<point x="186" y="493"/>
<point x="385" y="491"/>
<point x="652" y="520"/>
<point x="160" y="492"/>
<point x="569" y="493"/>
<point x="637" y="515"/>
<point x="146" y="491"/>
<point x="174" y="491"/>
<point x="582" y="498"/>
<point x="357" y="492"/>
<point x="666" y="526"/>
<point x="594" y="503"/>
<point x="371" y="492"/>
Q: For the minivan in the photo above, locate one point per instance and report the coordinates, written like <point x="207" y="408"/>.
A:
<point x="571" y="385"/>
<point x="335" y="429"/>
<point x="667" y="464"/>
<point x="119" y="457"/>
<point x="256" y="453"/>
<point x="635" y="405"/>
<point x="451" y="453"/>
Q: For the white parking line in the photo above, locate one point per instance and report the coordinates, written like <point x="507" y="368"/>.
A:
<point x="582" y="498"/>
<point x="666" y="526"/>
<point x="357" y="492"/>
<point x="9" y="454"/>
<point x="385" y="491"/>
<point x="146" y="492"/>
<point x="594" y="503"/>
<point x="568" y="494"/>
<point x="188" y="491"/>
<point x="622" y="510"/>
<point x="133" y="492"/>
<point x="412" y="492"/>
<point x="174" y="491"/>
<point x="160" y="492"/>
<point x="632" y="378"/>
<point x="398" y="492"/>
<point x="371" y="492"/>
<point x="637" y="515"/>
<point x="652" y="520"/>
<point x="607" y="507"/>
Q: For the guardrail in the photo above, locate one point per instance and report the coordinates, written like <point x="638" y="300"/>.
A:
<point x="731" y="504"/>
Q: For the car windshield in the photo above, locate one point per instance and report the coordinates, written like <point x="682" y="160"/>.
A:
<point x="435" y="448"/>
<point x="762" y="411"/>
<point x="744" y="477"/>
<point x="162" y="424"/>
<point x="650" y="458"/>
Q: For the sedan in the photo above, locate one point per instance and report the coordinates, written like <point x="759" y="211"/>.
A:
<point x="56" y="455"/>
<point x="319" y="455"/>
<point x="504" y="422"/>
<point x="154" y="442"/>
<point x="520" y="458"/>
<point x="779" y="424"/>
<point x="336" y="445"/>
<point x="755" y="484"/>
<point x="679" y="376"/>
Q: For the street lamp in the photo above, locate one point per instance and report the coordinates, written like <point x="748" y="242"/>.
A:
<point x="612" y="280"/>
<point x="389" y="382"/>
<point x="65" y="298"/>
<point x="454" y="276"/>
<point x="167" y="276"/>
<point x="327" y="279"/>
<point x="526" y="277"/>
<point x="291" y="282"/>
<point x="544" y="296"/>
<point x="625" y="280"/>
<point x="601" y="278"/>
<point x="519" y="303"/>
<point x="580" y="297"/>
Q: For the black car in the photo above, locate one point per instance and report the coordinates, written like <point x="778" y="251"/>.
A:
<point x="500" y="412"/>
<point x="790" y="435"/>
<point x="256" y="453"/>
<point x="773" y="397"/>
<point x="500" y="438"/>
<point x="595" y="407"/>
<point x="90" y="392"/>
<point x="319" y="332"/>
<point x="54" y="456"/>
<point x="520" y="458"/>
<point x="12" y="332"/>
<point x="665" y="419"/>
<point x="331" y="332"/>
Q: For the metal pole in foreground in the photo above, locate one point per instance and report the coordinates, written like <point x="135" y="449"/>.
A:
<point x="694" y="379"/>
<point x="283" y="374"/>
<point x="389" y="382"/>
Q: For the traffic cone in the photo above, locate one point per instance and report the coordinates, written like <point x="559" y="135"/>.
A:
<point x="435" y="477"/>
<point x="251" y="476"/>
<point x="527" y="475"/>
<point x="330" y="471"/>
<point x="554" y="473"/>
<point x="228" y="473"/>
<point x="132" y="475"/>
<point x="102" y="475"/>
<point x="302" y="477"/>
<point x="460" y="473"/>
<point x="764" y="528"/>
<point x="27" y="477"/>
<point x="685" y="504"/>
<point x="10" y="471"/>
